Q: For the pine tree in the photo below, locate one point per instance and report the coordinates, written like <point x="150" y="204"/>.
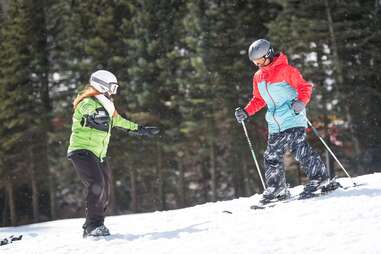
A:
<point x="218" y="34"/>
<point x="152" y="91"/>
<point x="25" y="99"/>
<point x="16" y="92"/>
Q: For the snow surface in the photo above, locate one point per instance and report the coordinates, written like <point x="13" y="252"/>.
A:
<point x="345" y="221"/>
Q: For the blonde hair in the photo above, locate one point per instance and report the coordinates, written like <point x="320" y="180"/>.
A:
<point x="89" y="91"/>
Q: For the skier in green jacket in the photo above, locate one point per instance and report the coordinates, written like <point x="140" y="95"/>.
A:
<point x="94" y="117"/>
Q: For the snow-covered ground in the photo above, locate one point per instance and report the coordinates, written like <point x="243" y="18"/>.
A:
<point x="345" y="221"/>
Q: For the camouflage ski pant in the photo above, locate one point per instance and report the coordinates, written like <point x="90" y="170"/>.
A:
<point x="293" y="139"/>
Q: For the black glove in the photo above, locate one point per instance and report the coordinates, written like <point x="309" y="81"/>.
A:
<point x="147" y="131"/>
<point x="298" y="106"/>
<point x="240" y="114"/>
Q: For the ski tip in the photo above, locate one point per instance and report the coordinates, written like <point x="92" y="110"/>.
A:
<point x="358" y="184"/>
<point x="228" y="212"/>
<point x="258" y="207"/>
<point x="17" y="238"/>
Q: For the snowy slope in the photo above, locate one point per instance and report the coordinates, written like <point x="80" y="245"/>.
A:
<point x="346" y="221"/>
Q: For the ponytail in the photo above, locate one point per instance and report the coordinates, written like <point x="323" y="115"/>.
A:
<point x="89" y="91"/>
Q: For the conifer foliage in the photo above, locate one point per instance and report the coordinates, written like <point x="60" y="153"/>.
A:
<point x="24" y="104"/>
<point x="182" y="66"/>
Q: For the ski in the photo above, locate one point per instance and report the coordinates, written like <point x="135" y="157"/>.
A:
<point x="273" y="203"/>
<point x="325" y="187"/>
<point x="10" y="239"/>
<point x="319" y="193"/>
<point x="276" y="202"/>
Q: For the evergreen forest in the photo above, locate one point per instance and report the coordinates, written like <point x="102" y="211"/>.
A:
<point x="182" y="66"/>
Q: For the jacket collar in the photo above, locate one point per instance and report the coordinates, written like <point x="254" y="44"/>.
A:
<point x="278" y="60"/>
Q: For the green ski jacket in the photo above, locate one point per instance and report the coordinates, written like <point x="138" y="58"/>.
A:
<point x="88" y="138"/>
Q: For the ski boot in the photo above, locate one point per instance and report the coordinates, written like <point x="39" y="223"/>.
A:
<point x="323" y="184"/>
<point x="100" y="230"/>
<point x="331" y="185"/>
<point x="274" y="193"/>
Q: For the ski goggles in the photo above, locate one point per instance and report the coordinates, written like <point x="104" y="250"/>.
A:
<point x="111" y="87"/>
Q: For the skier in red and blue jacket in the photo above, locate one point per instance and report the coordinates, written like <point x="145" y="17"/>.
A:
<point x="281" y="88"/>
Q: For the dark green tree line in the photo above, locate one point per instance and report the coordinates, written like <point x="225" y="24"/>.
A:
<point x="181" y="65"/>
<point x="25" y="104"/>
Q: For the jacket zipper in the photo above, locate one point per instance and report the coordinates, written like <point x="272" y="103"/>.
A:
<point x="276" y="121"/>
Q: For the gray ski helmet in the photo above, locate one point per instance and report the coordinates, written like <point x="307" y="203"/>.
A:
<point x="261" y="48"/>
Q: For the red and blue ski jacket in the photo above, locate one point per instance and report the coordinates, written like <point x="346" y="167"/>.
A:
<point x="277" y="85"/>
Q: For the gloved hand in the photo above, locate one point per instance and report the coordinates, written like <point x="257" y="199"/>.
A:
<point x="240" y="114"/>
<point x="298" y="106"/>
<point x="147" y="131"/>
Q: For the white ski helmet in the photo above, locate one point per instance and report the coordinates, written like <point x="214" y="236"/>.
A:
<point x="104" y="81"/>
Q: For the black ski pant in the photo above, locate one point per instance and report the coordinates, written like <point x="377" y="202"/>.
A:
<point x="293" y="139"/>
<point x="96" y="177"/>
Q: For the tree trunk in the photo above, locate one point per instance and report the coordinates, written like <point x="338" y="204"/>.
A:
<point x="329" y="162"/>
<point x="246" y="179"/>
<point x="160" y="179"/>
<point x="335" y="50"/>
<point x="212" y="156"/>
<point x="134" y="195"/>
<point x="5" y="209"/>
<point x="181" y="185"/>
<point x="213" y="173"/>
<point x="11" y="203"/>
<point x="42" y="169"/>
<point x="33" y="183"/>
<point x="35" y="195"/>
<point x="52" y="196"/>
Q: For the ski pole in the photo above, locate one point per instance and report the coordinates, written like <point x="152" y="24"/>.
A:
<point x="329" y="150"/>
<point x="253" y="154"/>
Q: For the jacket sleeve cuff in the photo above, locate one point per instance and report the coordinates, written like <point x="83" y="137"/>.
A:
<point x="119" y="121"/>
<point x="304" y="100"/>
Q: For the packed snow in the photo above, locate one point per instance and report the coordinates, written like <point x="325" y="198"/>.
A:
<point x="345" y="221"/>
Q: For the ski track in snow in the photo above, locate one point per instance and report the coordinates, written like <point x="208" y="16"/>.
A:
<point x="345" y="221"/>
